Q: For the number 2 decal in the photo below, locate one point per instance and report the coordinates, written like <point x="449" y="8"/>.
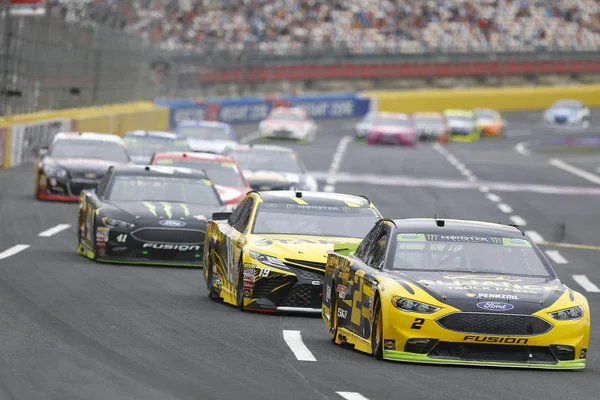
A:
<point x="418" y="323"/>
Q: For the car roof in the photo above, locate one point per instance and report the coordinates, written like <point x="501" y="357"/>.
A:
<point x="180" y="155"/>
<point x="101" y="137"/>
<point x="568" y="101"/>
<point x="457" y="227"/>
<point x="152" y="134"/>
<point x="265" y="147"/>
<point x="159" y="170"/>
<point x="194" y="122"/>
<point x="313" y="198"/>
<point x="428" y="114"/>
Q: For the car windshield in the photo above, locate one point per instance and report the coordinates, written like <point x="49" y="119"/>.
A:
<point x="268" y="160"/>
<point x="205" y="132"/>
<point x="96" y="149"/>
<point x="221" y="173"/>
<point x="572" y="105"/>
<point x="281" y="116"/>
<point x="459" y="118"/>
<point x="167" y="189"/>
<point x="459" y="253"/>
<point x="146" y="146"/>
<point x="486" y="114"/>
<point x="428" y="121"/>
<point x="298" y="219"/>
<point x="391" y="121"/>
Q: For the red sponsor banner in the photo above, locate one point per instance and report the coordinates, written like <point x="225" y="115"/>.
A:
<point x="3" y="146"/>
<point x="400" y="70"/>
<point x="28" y="7"/>
<point x="34" y="3"/>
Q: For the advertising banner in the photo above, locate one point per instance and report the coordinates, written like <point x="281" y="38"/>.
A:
<point x="28" y="139"/>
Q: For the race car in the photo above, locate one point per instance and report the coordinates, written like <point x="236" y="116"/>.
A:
<point x="76" y="161"/>
<point x="463" y="125"/>
<point x="454" y="292"/>
<point x="490" y="122"/>
<point x="147" y="215"/>
<point x="568" y="113"/>
<point x="207" y="136"/>
<point x="223" y="171"/>
<point x="392" y="128"/>
<point x="288" y="123"/>
<point x="142" y="144"/>
<point x="269" y="255"/>
<point x="268" y="167"/>
<point x="363" y="126"/>
<point x="430" y="127"/>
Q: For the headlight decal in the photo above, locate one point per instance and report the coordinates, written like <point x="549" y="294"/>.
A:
<point x="115" y="223"/>
<point x="267" y="260"/>
<point x="409" y="305"/>
<point x="55" y="171"/>
<point x="568" y="314"/>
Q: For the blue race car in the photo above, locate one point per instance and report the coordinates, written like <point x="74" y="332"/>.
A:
<point x="207" y="136"/>
<point x="143" y="144"/>
<point x="568" y="113"/>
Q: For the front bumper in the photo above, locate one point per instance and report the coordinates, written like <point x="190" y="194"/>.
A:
<point x="492" y="130"/>
<point x="391" y="139"/>
<point x="463" y="136"/>
<point x="283" y="133"/>
<point x="63" y="190"/>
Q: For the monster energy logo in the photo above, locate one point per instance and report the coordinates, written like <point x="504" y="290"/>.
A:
<point x="167" y="208"/>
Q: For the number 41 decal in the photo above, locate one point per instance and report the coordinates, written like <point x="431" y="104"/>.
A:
<point x="418" y="323"/>
<point x="122" y="238"/>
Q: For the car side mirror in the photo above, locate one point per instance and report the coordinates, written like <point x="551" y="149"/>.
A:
<point x="221" y="216"/>
<point x="43" y="151"/>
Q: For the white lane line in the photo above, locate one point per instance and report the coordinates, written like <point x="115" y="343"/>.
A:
<point x="53" y="231"/>
<point x="13" y="250"/>
<point x="352" y="396"/>
<point x="536" y="237"/>
<point x="585" y="283"/>
<point x="336" y="163"/>
<point x="294" y="341"/>
<point x="484" y="189"/>
<point x="522" y="149"/>
<point x="505" y="208"/>
<point x="515" y="219"/>
<point x="471" y="178"/>
<point x="555" y="256"/>
<point x="493" y="197"/>
<point x="249" y="138"/>
<point x="466" y="172"/>
<point x="574" y="170"/>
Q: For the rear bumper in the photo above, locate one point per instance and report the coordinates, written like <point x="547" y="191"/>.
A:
<point x="391" y="140"/>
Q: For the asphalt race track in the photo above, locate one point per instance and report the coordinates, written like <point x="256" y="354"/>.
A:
<point x="75" y="329"/>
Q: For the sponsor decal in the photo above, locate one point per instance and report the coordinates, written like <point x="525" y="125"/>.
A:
<point x="328" y="293"/>
<point x="101" y="247"/>
<point x="244" y="112"/>
<point x="200" y="217"/>
<point x="497" y="296"/>
<point x="342" y="291"/>
<point x="389" y="344"/>
<point x="249" y="278"/>
<point x="583" y="354"/>
<point x="165" y="246"/>
<point x="341" y="313"/>
<point x="249" y="271"/>
<point x="102" y="234"/>
<point x="119" y="248"/>
<point x="268" y="242"/>
<point x="247" y="293"/>
<point x="495" y="306"/>
<point x="494" y="339"/>
<point x="470" y="295"/>
<point x="90" y="175"/>
<point x="171" y="223"/>
<point x="28" y="139"/>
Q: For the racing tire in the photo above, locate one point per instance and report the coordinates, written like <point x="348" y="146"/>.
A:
<point x="377" y="331"/>
<point x="333" y="329"/>
<point x="239" y="295"/>
<point x="210" y="287"/>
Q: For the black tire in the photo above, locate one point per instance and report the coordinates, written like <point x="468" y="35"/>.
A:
<point x="240" y="288"/>
<point x="333" y="329"/>
<point x="210" y="278"/>
<point x="94" y="247"/>
<point x="377" y="331"/>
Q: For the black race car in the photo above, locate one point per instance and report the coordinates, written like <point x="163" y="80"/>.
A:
<point x="76" y="161"/>
<point x="147" y="215"/>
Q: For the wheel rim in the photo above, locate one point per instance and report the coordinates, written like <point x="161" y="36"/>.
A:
<point x="378" y="326"/>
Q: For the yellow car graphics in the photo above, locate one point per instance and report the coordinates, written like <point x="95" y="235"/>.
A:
<point x="462" y="125"/>
<point x="269" y="254"/>
<point x="453" y="292"/>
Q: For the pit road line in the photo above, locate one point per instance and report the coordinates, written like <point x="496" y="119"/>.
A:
<point x="336" y="163"/>
<point x="352" y="396"/>
<point x="13" y="250"/>
<point x="555" y="256"/>
<point x="54" y="230"/>
<point x="295" y="343"/>
<point x="585" y="283"/>
<point x="560" y="164"/>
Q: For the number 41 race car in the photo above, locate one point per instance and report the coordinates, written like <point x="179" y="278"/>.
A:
<point x="454" y="292"/>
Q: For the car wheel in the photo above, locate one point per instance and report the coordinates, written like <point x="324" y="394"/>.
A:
<point x="210" y="280"/>
<point x="377" y="331"/>
<point x="94" y="246"/>
<point x="240" y="288"/>
<point x="333" y="316"/>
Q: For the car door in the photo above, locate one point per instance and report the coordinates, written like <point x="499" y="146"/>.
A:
<point x="89" y="204"/>
<point x="234" y="239"/>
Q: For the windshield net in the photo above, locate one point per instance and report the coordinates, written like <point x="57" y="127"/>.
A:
<point x="168" y="189"/>
<point x="221" y="173"/>
<point x="457" y="253"/>
<point x="392" y="121"/>
<point x="298" y="219"/>
<point x="265" y="160"/>
<point x="486" y="114"/>
<point x="428" y="122"/>
<point x="96" y="149"/>
<point x="287" y="117"/>
<point x="148" y="146"/>
<point x="459" y="118"/>
<point x="204" y="132"/>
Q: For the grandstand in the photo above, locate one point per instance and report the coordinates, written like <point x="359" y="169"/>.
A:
<point x="358" y="26"/>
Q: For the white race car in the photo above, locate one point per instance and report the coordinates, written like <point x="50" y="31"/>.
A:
<point x="568" y="113"/>
<point x="288" y="123"/>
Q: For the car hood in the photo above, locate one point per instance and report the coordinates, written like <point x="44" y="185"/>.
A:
<point x="430" y="128"/>
<point x="392" y="129"/>
<point x="141" y="160"/>
<point x="560" y="112"/>
<point x="84" y="165"/>
<point x="297" y="247"/>
<point x="272" y="176"/>
<point x="466" y="290"/>
<point x="152" y="212"/>
<point x="210" y="146"/>
<point x="461" y="124"/>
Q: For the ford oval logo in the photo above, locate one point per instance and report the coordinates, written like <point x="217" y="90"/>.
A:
<point x="171" y="223"/>
<point x="495" y="306"/>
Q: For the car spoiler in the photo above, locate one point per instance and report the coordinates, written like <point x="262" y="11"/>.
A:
<point x="221" y="216"/>
<point x="345" y="248"/>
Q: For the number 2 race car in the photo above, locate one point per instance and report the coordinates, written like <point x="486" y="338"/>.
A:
<point x="456" y="292"/>
<point x="269" y="255"/>
<point x="147" y="215"/>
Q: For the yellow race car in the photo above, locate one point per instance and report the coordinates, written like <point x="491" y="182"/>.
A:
<point x="269" y="254"/>
<point x="454" y="292"/>
<point x="462" y="125"/>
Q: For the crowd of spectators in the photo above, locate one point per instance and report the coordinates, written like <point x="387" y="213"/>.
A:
<point x="356" y="26"/>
